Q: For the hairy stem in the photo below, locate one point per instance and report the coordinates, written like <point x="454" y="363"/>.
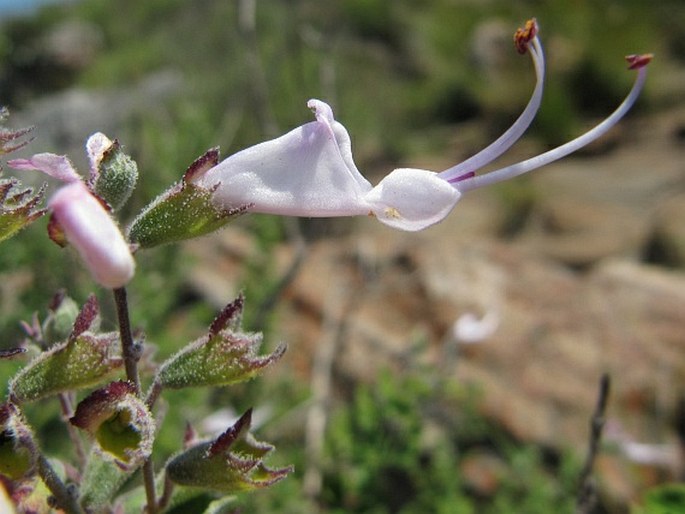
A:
<point x="131" y="355"/>
<point x="166" y="494"/>
<point x="65" y="402"/>
<point x="65" y="500"/>
<point x="149" y="480"/>
<point x="128" y="350"/>
<point x="153" y="394"/>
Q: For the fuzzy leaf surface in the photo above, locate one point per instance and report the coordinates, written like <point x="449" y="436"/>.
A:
<point x="84" y="361"/>
<point x="18" y="209"/>
<point x="231" y="463"/>
<point x="184" y="211"/>
<point x="222" y="357"/>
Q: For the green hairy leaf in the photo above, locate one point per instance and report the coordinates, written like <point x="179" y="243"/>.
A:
<point x="231" y="463"/>
<point x="85" y="359"/>
<point x="223" y="356"/>
<point x="182" y="212"/>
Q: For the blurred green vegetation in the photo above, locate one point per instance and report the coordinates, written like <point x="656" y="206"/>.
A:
<point x="405" y="444"/>
<point x="404" y="76"/>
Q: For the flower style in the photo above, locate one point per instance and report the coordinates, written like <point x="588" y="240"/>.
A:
<point x="310" y="170"/>
<point x="81" y="218"/>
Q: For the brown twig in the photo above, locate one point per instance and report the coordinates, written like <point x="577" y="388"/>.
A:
<point x="587" y="491"/>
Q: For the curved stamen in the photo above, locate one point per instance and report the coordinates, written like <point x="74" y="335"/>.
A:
<point x="506" y="140"/>
<point x="573" y="145"/>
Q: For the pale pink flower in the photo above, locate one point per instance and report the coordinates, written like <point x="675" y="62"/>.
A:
<point x="310" y="170"/>
<point x="91" y="230"/>
<point x="83" y="219"/>
<point x="470" y="329"/>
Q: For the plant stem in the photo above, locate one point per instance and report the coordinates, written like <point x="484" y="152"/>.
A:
<point x="67" y="412"/>
<point x="587" y="493"/>
<point x="131" y="356"/>
<point x="153" y="394"/>
<point x="149" y="480"/>
<point x="65" y="500"/>
<point x="166" y="494"/>
<point x="128" y="350"/>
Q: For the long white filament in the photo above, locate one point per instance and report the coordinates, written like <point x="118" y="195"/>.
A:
<point x="557" y="153"/>
<point x="506" y="140"/>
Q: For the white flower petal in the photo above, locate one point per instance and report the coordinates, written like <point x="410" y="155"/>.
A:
<point x="307" y="172"/>
<point x="412" y="199"/>
<point x="55" y="166"/>
<point x="91" y="230"/>
<point x="96" y="146"/>
<point x="469" y="329"/>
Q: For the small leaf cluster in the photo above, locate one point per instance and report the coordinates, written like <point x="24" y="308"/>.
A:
<point x="18" y="207"/>
<point x="118" y="425"/>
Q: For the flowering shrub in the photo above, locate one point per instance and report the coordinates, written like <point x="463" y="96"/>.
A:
<point x="309" y="171"/>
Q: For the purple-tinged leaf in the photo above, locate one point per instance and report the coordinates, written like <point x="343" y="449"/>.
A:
<point x="233" y="462"/>
<point x="88" y="314"/>
<point x="231" y="435"/>
<point x="202" y="164"/>
<point x="11" y="353"/>
<point x="119" y="421"/>
<point x="229" y="316"/>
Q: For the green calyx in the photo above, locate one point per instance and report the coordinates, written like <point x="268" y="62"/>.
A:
<point x="182" y="212"/>
<point x="120" y="423"/>
<point x="17" y="208"/>
<point x="85" y="359"/>
<point x="17" y="460"/>
<point x="78" y="363"/>
<point x="119" y="436"/>
<point x="101" y="480"/>
<point x="222" y="357"/>
<point x="115" y="177"/>
<point x="231" y="463"/>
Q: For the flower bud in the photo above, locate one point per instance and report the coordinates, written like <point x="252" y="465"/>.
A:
<point x="87" y="225"/>
<point x="113" y="174"/>
<point x="59" y="323"/>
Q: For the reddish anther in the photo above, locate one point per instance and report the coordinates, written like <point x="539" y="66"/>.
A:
<point x="525" y="35"/>
<point x="637" y="61"/>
